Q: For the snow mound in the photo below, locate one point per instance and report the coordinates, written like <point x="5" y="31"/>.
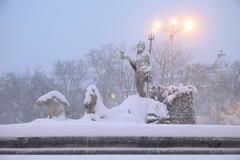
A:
<point x="51" y="95"/>
<point x="159" y="109"/>
<point x="135" y="109"/>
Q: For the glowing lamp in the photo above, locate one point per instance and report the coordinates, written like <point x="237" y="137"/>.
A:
<point x="174" y="21"/>
<point x="157" y="25"/>
<point x="113" y="96"/>
<point x="188" y="26"/>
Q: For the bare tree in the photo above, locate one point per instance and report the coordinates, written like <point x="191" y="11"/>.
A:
<point x="69" y="77"/>
<point x="168" y="64"/>
<point x="19" y="93"/>
<point x="110" y="74"/>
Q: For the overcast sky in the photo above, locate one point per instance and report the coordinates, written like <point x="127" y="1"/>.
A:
<point x="39" y="32"/>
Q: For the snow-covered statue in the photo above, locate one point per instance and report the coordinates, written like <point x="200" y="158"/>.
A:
<point x="179" y="102"/>
<point x="56" y="104"/>
<point x="141" y="67"/>
<point x="93" y="102"/>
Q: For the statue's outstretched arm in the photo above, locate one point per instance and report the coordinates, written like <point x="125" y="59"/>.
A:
<point x="132" y="62"/>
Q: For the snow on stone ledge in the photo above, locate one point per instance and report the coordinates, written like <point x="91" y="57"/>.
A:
<point x="86" y="127"/>
<point x="53" y="94"/>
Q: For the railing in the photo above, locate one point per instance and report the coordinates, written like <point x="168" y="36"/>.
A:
<point x="119" y="145"/>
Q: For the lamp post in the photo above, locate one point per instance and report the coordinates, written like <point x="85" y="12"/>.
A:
<point x="172" y="29"/>
<point x="150" y="38"/>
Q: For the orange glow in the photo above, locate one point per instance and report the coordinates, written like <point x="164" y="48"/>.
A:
<point x="113" y="96"/>
<point x="174" y="21"/>
<point x="188" y="26"/>
<point x="157" y="25"/>
<point x="154" y="30"/>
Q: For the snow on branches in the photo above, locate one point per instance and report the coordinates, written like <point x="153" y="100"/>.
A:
<point x="179" y="102"/>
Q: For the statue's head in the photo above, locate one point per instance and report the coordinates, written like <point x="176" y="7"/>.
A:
<point x="92" y="97"/>
<point x="140" y="47"/>
<point x="91" y="92"/>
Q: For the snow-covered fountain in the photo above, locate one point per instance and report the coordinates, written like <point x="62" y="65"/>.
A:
<point x="145" y="123"/>
<point x="122" y="129"/>
<point x="173" y="104"/>
<point x="134" y="109"/>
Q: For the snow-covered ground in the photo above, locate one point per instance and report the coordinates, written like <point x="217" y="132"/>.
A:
<point x="120" y="157"/>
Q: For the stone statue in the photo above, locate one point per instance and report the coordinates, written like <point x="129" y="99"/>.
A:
<point x="56" y="103"/>
<point x="93" y="103"/>
<point x="141" y="67"/>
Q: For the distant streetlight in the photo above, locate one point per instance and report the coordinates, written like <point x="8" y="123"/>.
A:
<point x="173" y="28"/>
<point x="113" y="96"/>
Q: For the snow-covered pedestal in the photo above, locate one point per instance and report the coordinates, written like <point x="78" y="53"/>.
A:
<point x="49" y="136"/>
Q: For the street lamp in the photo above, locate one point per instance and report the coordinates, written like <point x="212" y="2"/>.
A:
<point x="173" y="28"/>
<point x="150" y="38"/>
